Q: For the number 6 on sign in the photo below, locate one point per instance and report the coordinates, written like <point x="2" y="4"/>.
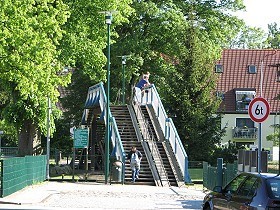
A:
<point x="258" y="109"/>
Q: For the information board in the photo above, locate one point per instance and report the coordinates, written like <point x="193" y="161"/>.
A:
<point x="80" y="138"/>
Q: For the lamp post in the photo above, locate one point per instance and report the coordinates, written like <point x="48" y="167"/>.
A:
<point x="124" y="57"/>
<point x="277" y="65"/>
<point x="48" y="138"/>
<point x="1" y="133"/>
<point x="260" y="124"/>
<point x="123" y="78"/>
<point x="108" y="21"/>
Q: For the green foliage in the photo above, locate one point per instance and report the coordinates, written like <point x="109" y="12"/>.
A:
<point x="179" y="42"/>
<point x="228" y="152"/>
<point x="62" y="139"/>
<point x="85" y="34"/>
<point x="249" y="38"/>
<point x="273" y="39"/>
<point x="275" y="137"/>
<point x="39" y="38"/>
<point x="29" y="69"/>
<point x="82" y="48"/>
<point x="74" y="99"/>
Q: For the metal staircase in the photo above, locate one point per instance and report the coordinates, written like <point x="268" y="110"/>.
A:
<point x="164" y="162"/>
<point x="129" y="138"/>
<point x="161" y="148"/>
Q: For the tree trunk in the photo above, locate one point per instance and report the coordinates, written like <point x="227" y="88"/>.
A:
<point x="29" y="139"/>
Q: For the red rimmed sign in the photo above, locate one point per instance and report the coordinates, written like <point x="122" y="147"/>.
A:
<point x="259" y="109"/>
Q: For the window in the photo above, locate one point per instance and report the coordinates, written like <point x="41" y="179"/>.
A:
<point x="252" y="69"/>
<point x="243" y="99"/>
<point x="244" y="128"/>
<point x="244" y="123"/>
<point x="220" y="95"/>
<point x="249" y="187"/>
<point x="233" y="186"/>
<point x="219" y="68"/>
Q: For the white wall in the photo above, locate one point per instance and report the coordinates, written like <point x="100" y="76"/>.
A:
<point x="275" y="153"/>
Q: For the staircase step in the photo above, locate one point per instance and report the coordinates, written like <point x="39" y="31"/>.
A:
<point x="129" y="139"/>
<point x="160" y="147"/>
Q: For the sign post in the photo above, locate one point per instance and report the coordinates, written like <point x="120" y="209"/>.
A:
<point x="259" y="112"/>
<point x="80" y="142"/>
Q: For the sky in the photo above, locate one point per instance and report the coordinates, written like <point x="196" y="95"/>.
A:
<point x="260" y="13"/>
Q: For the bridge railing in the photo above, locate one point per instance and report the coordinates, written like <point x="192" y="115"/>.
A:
<point x="151" y="97"/>
<point x="96" y="97"/>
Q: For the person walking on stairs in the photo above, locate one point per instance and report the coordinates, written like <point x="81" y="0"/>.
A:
<point x="134" y="157"/>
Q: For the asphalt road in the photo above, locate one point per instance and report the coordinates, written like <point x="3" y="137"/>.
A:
<point x="89" y="195"/>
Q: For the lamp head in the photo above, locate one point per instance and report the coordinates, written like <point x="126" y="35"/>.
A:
<point x="123" y="60"/>
<point x="108" y="18"/>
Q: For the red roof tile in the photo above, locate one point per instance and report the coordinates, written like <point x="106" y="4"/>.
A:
<point x="235" y="75"/>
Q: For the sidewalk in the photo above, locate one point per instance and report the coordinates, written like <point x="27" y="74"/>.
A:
<point x="61" y="195"/>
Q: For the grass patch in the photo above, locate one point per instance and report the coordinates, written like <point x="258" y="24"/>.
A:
<point x="272" y="167"/>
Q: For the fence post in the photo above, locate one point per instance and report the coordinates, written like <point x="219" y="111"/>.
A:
<point x="2" y="178"/>
<point x="220" y="172"/>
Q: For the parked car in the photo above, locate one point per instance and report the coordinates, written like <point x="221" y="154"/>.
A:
<point x="246" y="191"/>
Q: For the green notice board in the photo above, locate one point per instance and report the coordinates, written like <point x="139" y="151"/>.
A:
<point x="80" y="138"/>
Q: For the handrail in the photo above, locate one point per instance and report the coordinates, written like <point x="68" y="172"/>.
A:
<point x="115" y="133"/>
<point x="150" y="140"/>
<point x="145" y="145"/>
<point x="97" y="97"/>
<point x="151" y="97"/>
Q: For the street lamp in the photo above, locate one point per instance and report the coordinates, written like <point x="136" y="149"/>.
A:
<point x="260" y="124"/>
<point x="123" y="82"/>
<point x="48" y="138"/>
<point x="277" y="65"/>
<point x="1" y="133"/>
<point x="124" y="57"/>
<point x="108" y="21"/>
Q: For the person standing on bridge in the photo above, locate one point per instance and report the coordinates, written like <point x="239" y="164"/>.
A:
<point x="134" y="157"/>
<point x="140" y="85"/>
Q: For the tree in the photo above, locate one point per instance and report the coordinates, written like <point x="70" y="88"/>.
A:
<point x="275" y="137"/>
<point x="193" y="98"/>
<point x="249" y="38"/>
<point x="178" y="42"/>
<point x="38" y="39"/>
<point x="30" y="71"/>
<point x="83" y="49"/>
<point x="273" y="39"/>
<point x="85" y="40"/>
<point x="83" y="45"/>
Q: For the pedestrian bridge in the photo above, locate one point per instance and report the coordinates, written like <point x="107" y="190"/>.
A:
<point x="145" y="125"/>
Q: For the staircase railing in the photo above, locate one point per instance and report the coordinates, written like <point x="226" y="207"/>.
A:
<point x="149" y="138"/>
<point x="151" y="97"/>
<point x="96" y="97"/>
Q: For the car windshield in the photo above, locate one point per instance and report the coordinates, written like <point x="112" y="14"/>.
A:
<point x="273" y="185"/>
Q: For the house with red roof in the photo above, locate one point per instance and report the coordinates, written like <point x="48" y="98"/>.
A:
<point x="242" y="76"/>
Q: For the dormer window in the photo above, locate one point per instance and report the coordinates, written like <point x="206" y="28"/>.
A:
<point x="252" y="69"/>
<point x="219" y="68"/>
<point x="243" y="98"/>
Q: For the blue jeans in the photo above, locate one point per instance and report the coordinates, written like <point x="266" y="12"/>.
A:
<point x="135" y="167"/>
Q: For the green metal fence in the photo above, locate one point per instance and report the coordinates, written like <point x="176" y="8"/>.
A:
<point x="19" y="172"/>
<point x="9" y="151"/>
<point x="210" y="174"/>
<point x="230" y="171"/>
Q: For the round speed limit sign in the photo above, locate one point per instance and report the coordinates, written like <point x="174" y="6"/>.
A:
<point x="258" y="109"/>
